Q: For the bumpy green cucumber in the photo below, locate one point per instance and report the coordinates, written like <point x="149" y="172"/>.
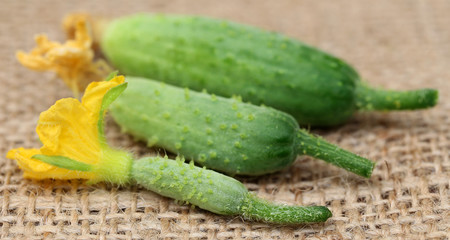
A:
<point x="263" y="67"/>
<point x="222" y="134"/>
<point x="216" y="192"/>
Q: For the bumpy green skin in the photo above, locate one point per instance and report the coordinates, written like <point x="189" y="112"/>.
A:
<point x="228" y="58"/>
<point x="186" y="182"/>
<point x="220" y="133"/>
<point x="216" y="192"/>
<point x="223" y="134"/>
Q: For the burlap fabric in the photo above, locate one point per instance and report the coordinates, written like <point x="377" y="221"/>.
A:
<point x="395" y="44"/>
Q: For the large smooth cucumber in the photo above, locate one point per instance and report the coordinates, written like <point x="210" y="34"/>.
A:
<point x="263" y="67"/>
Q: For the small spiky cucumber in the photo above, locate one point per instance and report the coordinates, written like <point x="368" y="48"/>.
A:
<point x="222" y="134"/>
<point x="216" y="192"/>
<point x="268" y="68"/>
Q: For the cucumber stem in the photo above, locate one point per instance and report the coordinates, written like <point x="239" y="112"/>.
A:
<point x="317" y="147"/>
<point x="368" y="98"/>
<point x="256" y="208"/>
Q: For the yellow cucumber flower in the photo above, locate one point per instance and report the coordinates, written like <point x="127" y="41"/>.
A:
<point x="74" y="145"/>
<point x="72" y="61"/>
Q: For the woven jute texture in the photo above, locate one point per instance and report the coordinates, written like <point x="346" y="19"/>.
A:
<point x="395" y="44"/>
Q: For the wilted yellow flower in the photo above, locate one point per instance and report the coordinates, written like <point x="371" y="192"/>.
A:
<point x="74" y="145"/>
<point x="72" y="61"/>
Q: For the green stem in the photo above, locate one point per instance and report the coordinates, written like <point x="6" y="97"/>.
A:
<point x="261" y="210"/>
<point x="368" y="98"/>
<point x="317" y="147"/>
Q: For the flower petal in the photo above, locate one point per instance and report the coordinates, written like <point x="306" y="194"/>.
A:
<point x="69" y="129"/>
<point x="23" y="158"/>
<point x="39" y="170"/>
<point x="95" y="92"/>
<point x="73" y="142"/>
<point x="73" y="61"/>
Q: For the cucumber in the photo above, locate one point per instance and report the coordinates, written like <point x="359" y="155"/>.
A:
<point x="222" y="134"/>
<point x="262" y="67"/>
<point x="216" y="192"/>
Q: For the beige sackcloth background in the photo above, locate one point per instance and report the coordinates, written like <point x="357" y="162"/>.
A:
<point x="398" y="44"/>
